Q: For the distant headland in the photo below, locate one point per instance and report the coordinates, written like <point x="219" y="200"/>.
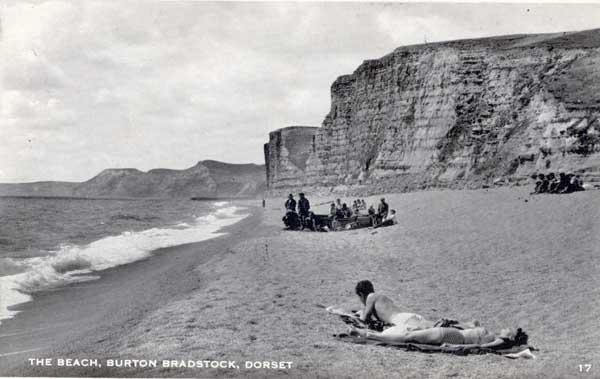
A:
<point x="207" y="179"/>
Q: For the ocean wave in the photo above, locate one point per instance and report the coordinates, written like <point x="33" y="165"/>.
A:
<point x="72" y="263"/>
<point x="220" y="203"/>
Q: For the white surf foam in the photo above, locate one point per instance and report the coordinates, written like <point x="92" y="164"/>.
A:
<point x="70" y="264"/>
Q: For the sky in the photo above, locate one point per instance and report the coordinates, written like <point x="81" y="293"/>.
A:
<point x="88" y="85"/>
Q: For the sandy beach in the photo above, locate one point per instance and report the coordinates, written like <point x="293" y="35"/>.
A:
<point x="500" y="256"/>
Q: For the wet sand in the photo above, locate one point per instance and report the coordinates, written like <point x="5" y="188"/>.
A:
<point x="499" y="256"/>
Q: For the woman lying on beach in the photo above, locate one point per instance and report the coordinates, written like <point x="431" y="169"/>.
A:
<point x="449" y="337"/>
<point x="382" y="308"/>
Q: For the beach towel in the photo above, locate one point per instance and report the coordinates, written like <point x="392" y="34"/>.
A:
<point x="514" y="352"/>
<point x="351" y="318"/>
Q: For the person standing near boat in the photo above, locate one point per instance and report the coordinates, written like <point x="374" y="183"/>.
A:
<point x="290" y="204"/>
<point x="382" y="210"/>
<point x="303" y="207"/>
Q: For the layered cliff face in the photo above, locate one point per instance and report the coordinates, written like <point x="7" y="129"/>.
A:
<point x="209" y="179"/>
<point x="461" y="114"/>
<point x="286" y="155"/>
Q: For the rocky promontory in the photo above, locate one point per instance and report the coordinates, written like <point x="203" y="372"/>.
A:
<point x="286" y="155"/>
<point x="459" y="114"/>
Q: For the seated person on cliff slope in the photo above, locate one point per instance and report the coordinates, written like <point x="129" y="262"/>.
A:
<point x="539" y="183"/>
<point x="553" y="183"/>
<point x="575" y="183"/>
<point x="566" y="183"/>
<point x="572" y="184"/>
<point x="563" y="183"/>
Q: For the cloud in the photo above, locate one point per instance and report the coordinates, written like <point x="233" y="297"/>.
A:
<point x="28" y="70"/>
<point x="22" y="111"/>
<point x="164" y="84"/>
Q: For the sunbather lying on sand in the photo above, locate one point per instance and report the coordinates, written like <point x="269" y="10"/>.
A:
<point x="448" y="337"/>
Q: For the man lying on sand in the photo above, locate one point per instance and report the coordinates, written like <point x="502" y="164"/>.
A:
<point x="383" y="309"/>
<point x="414" y="328"/>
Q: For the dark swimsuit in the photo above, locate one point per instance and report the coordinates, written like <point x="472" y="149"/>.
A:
<point x="374" y="322"/>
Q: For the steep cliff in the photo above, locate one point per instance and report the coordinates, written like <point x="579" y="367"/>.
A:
<point x="210" y="179"/>
<point x="460" y="114"/>
<point x="286" y="154"/>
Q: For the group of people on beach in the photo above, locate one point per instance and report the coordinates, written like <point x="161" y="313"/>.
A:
<point x="384" y="216"/>
<point x="294" y="220"/>
<point x="342" y="210"/>
<point x="563" y="183"/>
<point x="340" y="216"/>
<point x="414" y="328"/>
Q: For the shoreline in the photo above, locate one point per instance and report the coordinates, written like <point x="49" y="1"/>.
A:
<point x="72" y="318"/>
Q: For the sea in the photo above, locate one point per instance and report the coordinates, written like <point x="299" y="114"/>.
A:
<point x="46" y="243"/>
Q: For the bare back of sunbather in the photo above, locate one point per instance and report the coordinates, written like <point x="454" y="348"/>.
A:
<point x="384" y="309"/>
